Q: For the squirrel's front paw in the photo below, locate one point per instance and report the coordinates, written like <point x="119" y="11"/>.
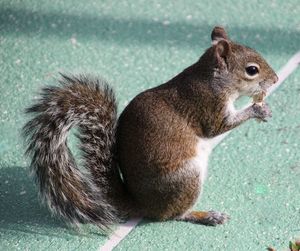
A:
<point x="262" y="112"/>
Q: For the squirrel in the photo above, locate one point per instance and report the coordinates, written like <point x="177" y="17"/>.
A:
<point x="151" y="161"/>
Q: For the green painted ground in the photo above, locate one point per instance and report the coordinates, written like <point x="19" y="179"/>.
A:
<point x="254" y="174"/>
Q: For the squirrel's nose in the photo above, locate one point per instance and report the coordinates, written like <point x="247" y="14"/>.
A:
<point x="275" y="79"/>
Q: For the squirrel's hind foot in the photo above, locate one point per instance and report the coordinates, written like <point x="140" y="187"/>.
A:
<point x="209" y="218"/>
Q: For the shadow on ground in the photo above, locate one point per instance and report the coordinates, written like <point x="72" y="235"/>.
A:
<point x="138" y="31"/>
<point x="20" y="209"/>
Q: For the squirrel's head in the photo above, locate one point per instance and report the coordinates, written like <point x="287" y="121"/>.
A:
<point x="241" y="68"/>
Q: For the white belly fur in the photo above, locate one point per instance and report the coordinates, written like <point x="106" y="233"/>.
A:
<point x="200" y="161"/>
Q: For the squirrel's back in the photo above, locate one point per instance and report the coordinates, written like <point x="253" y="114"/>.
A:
<point x="154" y="141"/>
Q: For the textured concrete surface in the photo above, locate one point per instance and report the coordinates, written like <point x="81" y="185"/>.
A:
<point x="253" y="175"/>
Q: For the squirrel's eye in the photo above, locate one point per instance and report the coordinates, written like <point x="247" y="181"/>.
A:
<point x="252" y="70"/>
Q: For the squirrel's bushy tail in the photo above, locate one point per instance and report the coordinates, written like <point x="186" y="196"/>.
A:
<point x="94" y="192"/>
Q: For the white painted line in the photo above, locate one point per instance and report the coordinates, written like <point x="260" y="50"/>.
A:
<point x="124" y="229"/>
<point x="285" y="71"/>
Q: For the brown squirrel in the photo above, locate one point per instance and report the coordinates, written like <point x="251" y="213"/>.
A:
<point x="152" y="161"/>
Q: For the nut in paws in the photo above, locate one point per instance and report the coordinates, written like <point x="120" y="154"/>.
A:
<point x="262" y="112"/>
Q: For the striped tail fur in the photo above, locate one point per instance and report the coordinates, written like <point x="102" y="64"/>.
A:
<point x="90" y="193"/>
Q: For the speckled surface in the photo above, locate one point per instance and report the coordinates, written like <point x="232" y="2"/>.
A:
<point x="253" y="175"/>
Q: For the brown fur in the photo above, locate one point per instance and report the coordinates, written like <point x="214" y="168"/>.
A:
<point x="157" y="144"/>
<point x="157" y="132"/>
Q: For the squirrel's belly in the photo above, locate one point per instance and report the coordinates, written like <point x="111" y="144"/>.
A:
<point x="200" y="161"/>
<point x="175" y="193"/>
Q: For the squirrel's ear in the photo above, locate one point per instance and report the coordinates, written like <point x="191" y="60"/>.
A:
<point x="222" y="51"/>
<point x="217" y="34"/>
